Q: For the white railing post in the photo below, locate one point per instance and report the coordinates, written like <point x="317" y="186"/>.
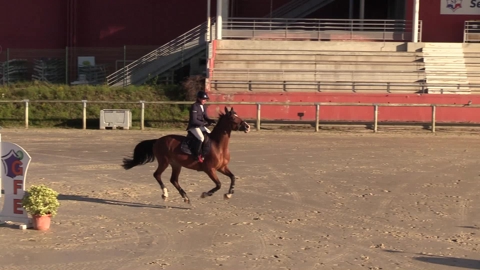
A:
<point x="434" y="110"/>
<point x="375" y="118"/>
<point x="258" y="116"/>
<point x="142" y="115"/>
<point x="84" y="115"/>
<point x="317" y="117"/>
<point x="26" y="113"/>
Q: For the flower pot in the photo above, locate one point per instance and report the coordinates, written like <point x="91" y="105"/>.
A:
<point x="41" y="223"/>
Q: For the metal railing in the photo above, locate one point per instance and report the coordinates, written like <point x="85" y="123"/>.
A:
<point x="319" y="29"/>
<point x="353" y="86"/>
<point x="471" y="32"/>
<point x="142" y="104"/>
<point x="193" y="38"/>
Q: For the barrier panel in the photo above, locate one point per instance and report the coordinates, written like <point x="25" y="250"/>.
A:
<point x="15" y="162"/>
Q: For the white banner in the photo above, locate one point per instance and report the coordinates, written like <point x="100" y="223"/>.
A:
<point x="15" y="161"/>
<point x="460" y="7"/>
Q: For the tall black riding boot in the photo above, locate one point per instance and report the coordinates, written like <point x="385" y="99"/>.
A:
<point x="199" y="151"/>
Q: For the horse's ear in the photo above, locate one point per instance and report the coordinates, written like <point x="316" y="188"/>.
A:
<point x="231" y="109"/>
<point x="226" y="110"/>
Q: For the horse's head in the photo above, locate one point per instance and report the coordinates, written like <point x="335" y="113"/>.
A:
<point x="236" y="122"/>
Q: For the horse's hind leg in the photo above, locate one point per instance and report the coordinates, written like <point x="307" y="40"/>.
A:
<point x="174" y="180"/>
<point x="228" y="173"/>
<point x="162" y="165"/>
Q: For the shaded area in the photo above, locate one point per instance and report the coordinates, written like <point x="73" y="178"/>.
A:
<point x="451" y="261"/>
<point x="66" y="197"/>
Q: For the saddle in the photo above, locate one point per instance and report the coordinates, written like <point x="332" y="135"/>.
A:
<point x="189" y="143"/>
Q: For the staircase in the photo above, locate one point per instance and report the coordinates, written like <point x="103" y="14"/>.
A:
<point x="298" y="8"/>
<point x="445" y="68"/>
<point x="173" y="55"/>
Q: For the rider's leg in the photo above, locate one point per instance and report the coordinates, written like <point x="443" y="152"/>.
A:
<point x="198" y="149"/>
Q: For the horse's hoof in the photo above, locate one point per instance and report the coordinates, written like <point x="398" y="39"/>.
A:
<point x="187" y="200"/>
<point x="204" y="195"/>
<point x="164" y="198"/>
<point x="227" y="196"/>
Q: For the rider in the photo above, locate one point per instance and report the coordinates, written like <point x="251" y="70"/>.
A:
<point x="198" y="122"/>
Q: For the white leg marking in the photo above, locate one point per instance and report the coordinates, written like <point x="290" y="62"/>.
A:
<point x="165" y="192"/>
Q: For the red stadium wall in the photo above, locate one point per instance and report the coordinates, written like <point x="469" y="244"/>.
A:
<point x="438" y="27"/>
<point x="105" y="23"/>
<point x="354" y="114"/>
<point x="33" y="24"/>
<point x="110" y="23"/>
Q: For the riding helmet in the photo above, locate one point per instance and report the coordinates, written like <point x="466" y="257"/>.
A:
<point x="202" y="95"/>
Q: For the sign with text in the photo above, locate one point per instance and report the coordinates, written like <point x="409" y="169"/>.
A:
<point x="460" y="7"/>
<point x="15" y="161"/>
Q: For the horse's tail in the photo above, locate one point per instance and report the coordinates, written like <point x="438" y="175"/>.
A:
<point x="143" y="153"/>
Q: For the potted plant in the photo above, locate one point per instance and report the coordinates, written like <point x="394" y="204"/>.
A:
<point x="41" y="202"/>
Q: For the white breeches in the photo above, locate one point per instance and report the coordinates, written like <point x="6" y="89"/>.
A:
<point x="198" y="132"/>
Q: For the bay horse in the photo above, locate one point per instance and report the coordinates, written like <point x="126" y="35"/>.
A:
<point x="167" y="150"/>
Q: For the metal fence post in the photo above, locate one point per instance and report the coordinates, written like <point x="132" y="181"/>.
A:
<point x="375" y="118"/>
<point x="317" y="117"/>
<point x="434" y="110"/>
<point x="8" y="67"/>
<point x="124" y="64"/>
<point x="258" y="116"/>
<point x="66" y="65"/>
<point x="26" y="113"/>
<point x="142" y="115"/>
<point x="84" y="117"/>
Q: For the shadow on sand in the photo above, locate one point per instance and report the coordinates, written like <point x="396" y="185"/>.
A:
<point x="66" y="197"/>
<point x="450" y="261"/>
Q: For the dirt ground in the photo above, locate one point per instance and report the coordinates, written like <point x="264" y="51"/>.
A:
<point x="303" y="200"/>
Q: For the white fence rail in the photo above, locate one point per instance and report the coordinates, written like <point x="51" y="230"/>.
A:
<point x="317" y="105"/>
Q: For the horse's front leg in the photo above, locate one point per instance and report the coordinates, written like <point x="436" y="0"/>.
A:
<point x="228" y="173"/>
<point x="213" y="175"/>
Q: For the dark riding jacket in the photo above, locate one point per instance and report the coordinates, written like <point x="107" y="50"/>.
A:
<point x="198" y="118"/>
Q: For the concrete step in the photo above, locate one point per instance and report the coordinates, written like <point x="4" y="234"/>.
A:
<point x="445" y="45"/>
<point x="269" y="65"/>
<point x="321" y="77"/>
<point x="306" y="57"/>
<point x="311" y="45"/>
<point x="286" y="51"/>
<point x="255" y="88"/>
<point x="446" y="81"/>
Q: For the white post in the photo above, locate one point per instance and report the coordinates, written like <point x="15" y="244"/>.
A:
<point x="416" y="10"/>
<point x="209" y="22"/>
<point x="219" y="19"/>
<point x="84" y="115"/>
<point x="142" y="115"/>
<point x="26" y="113"/>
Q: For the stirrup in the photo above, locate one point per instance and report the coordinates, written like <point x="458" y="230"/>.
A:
<point x="200" y="158"/>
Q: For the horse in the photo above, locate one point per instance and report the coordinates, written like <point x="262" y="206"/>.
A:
<point x="167" y="150"/>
